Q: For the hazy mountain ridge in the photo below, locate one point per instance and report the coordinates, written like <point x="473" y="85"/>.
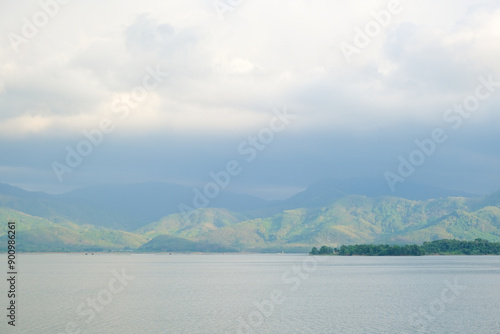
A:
<point x="36" y="234"/>
<point x="324" y="192"/>
<point x="71" y="221"/>
<point x="124" y="207"/>
<point x="351" y="219"/>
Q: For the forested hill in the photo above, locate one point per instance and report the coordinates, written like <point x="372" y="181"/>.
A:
<point x="437" y="247"/>
<point x="320" y="216"/>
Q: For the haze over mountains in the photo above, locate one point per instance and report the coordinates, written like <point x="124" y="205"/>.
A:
<point x="126" y="217"/>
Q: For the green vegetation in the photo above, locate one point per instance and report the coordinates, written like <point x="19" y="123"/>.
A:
<point x="168" y="243"/>
<point x="35" y="234"/>
<point x="324" y="250"/>
<point x="460" y="247"/>
<point x="48" y="224"/>
<point x="351" y="219"/>
<point x="441" y="247"/>
<point x="382" y="250"/>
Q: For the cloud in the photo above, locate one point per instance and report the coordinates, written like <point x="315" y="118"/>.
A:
<point x="225" y="77"/>
<point x="242" y="64"/>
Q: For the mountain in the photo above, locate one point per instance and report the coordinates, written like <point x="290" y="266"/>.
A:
<point x="326" y="191"/>
<point x="35" y="234"/>
<point x="139" y="204"/>
<point x="167" y="243"/>
<point x="121" y="217"/>
<point x="58" y="208"/>
<point x="8" y="190"/>
<point x="351" y="219"/>
<point x="200" y="221"/>
<point x="126" y="207"/>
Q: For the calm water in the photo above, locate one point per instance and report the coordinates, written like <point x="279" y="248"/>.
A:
<point x="74" y="293"/>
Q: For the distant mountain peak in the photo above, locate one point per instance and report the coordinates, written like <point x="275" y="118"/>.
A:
<point x="325" y="191"/>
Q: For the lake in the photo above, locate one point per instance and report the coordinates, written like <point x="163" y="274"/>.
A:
<point x="253" y="293"/>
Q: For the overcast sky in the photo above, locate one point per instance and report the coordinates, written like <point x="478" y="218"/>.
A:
<point x="355" y="102"/>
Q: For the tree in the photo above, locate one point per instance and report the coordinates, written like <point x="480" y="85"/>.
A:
<point x="314" y="251"/>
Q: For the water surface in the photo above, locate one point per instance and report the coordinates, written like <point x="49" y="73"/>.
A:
<point x="75" y="293"/>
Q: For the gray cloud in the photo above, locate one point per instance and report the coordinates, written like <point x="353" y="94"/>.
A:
<point x="225" y="77"/>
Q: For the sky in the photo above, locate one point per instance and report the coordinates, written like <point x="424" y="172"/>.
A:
<point x="274" y="94"/>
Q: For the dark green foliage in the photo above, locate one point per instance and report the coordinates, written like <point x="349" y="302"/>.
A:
<point x="443" y="247"/>
<point x="381" y="250"/>
<point x="324" y="250"/>
<point x="476" y="247"/>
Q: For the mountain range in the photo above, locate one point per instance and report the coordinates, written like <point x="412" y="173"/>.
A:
<point x="146" y="217"/>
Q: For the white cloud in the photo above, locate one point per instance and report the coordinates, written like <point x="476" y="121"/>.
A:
<point x="226" y="73"/>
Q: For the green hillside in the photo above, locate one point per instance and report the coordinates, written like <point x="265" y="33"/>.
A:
<point x="199" y="222"/>
<point x="167" y="243"/>
<point x="349" y="220"/>
<point x="35" y="234"/>
<point x="345" y="220"/>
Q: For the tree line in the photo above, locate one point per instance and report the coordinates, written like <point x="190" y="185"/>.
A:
<point x="443" y="247"/>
